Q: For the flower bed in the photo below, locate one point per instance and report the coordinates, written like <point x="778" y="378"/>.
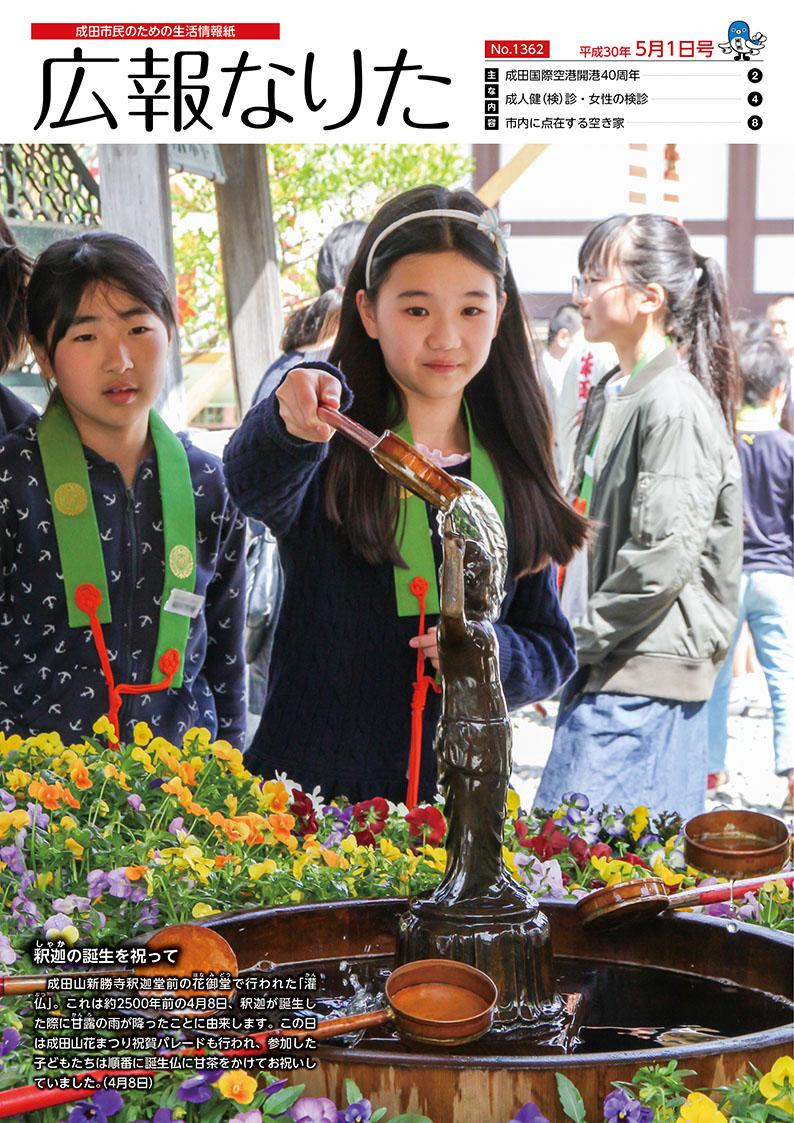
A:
<point x="99" y="844"/>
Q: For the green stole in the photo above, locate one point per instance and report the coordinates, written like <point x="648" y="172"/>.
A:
<point x="414" y="539"/>
<point x="77" y="533"/>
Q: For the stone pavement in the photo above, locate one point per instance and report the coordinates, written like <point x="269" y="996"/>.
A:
<point x="752" y="782"/>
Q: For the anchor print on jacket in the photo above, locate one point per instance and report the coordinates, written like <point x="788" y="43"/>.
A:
<point x="50" y="676"/>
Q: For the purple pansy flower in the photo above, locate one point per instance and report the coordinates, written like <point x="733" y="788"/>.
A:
<point x="583" y="824"/>
<point x="529" y="1113"/>
<point x="97" y="883"/>
<point x="7" y="953"/>
<point x="162" y="1115"/>
<point x="9" y="1041"/>
<point x="749" y="910"/>
<point x="196" y="1089"/>
<point x="119" y="885"/>
<point x="106" y="1102"/>
<point x="253" y="1116"/>
<point x="314" y="1109"/>
<point x="620" y="1107"/>
<point x="135" y="802"/>
<point x="71" y="903"/>
<point x="38" y="815"/>
<point x="358" y="1112"/>
<point x="7" y="800"/>
<point x="12" y="857"/>
<point x="577" y="800"/>
<point x="57" y="922"/>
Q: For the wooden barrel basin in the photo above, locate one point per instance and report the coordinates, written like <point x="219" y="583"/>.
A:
<point x="714" y="996"/>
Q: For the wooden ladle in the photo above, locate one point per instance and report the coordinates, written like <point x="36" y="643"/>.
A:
<point x="631" y="901"/>
<point x="200" y="949"/>
<point x="416" y="472"/>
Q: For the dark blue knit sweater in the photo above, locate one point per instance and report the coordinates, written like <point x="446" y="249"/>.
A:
<point x="338" y="711"/>
<point x="50" y="676"/>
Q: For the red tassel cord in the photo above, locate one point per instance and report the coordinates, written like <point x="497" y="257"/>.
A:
<point x="88" y="599"/>
<point x="419" y="589"/>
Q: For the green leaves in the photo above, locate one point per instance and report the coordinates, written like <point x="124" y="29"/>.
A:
<point x="572" y="1102"/>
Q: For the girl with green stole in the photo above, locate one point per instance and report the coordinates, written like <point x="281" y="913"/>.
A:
<point x="433" y="344"/>
<point x="122" y="586"/>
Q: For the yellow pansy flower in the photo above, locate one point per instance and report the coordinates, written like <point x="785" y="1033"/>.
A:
<point x="389" y="851"/>
<point x="777" y="888"/>
<point x="513" y="803"/>
<point x="700" y="1109"/>
<point x="142" y="757"/>
<point x="16" y="779"/>
<point x="510" y="862"/>
<point x="13" y="820"/>
<point x="201" y="910"/>
<point x="196" y="739"/>
<point x="776" y="1086"/>
<point x="262" y="869"/>
<point x="664" y="872"/>
<point x="9" y="744"/>
<point x="75" y="847"/>
<point x="142" y="734"/>
<point x="102" y="726"/>
<point x="639" y="817"/>
<point x="435" y="856"/>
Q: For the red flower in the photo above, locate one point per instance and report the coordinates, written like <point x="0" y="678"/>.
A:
<point x="634" y="860"/>
<point x="371" y="816"/>
<point x="427" y="824"/>
<point x="601" y="850"/>
<point x="580" y="851"/>
<point x="549" y="843"/>
<point x="305" y="815"/>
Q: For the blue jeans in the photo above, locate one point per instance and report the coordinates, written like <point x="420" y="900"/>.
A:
<point x="766" y="602"/>
<point x="627" y="749"/>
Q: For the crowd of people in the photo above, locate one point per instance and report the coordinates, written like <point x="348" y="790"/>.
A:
<point x="642" y="467"/>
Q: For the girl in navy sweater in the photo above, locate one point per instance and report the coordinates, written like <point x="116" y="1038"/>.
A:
<point x="433" y="344"/>
<point x="121" y="557"/>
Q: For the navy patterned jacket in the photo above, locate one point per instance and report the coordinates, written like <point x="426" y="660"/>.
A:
<point x="50" y="676"/>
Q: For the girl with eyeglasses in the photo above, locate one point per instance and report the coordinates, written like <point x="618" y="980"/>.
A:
<point x="656" y="471"/>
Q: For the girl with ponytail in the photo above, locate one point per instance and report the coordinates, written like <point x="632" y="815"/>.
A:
<point x="656" y="471"/>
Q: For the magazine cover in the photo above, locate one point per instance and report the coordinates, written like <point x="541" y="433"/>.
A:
<point x="396" y="564"/>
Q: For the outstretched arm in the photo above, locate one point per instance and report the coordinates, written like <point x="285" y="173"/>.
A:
<point x="273" y="456"/>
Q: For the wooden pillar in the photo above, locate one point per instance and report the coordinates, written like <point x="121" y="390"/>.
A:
<point x="136" y="201"/>
<point x="250" y="269"/>
<point x="740" y="254"/>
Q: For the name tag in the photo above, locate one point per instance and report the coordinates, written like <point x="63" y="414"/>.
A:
<point x="589" y="465"/>
<point x="184" y="604"/>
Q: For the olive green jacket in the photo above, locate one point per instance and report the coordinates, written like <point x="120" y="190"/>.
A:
<point x="666" y="554"/>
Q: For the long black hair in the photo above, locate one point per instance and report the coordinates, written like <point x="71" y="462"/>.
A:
<point x="14" y="274"/>
<point x="320" y="319"/>
<point x="67" y="268"/>
<point x="650" y="249"/>
<point x="506" y="402"/>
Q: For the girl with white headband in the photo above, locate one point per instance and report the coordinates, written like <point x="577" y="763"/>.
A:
<point x="432" y="344"/>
